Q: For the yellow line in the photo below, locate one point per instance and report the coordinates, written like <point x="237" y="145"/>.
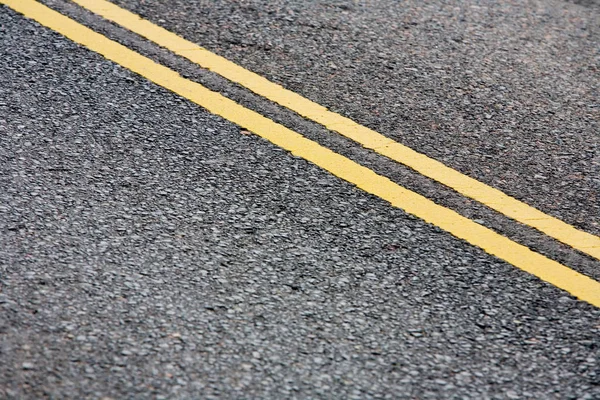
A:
<point x="493" y="198"/>
<point x="548" y="270"/>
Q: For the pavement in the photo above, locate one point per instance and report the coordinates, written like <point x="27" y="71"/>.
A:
<point x="151" y="249"/>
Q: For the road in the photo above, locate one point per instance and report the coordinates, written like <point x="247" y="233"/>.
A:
<point x="161" y="243"/>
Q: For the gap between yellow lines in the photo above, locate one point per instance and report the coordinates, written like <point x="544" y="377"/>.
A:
<point x="493" y="198"/>
<point x="520" y="256"/>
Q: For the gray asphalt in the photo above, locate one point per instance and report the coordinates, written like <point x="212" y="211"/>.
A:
<point x="504" y="91"/>
<point x="404" y="176"/>
<point x="151" y="250"/>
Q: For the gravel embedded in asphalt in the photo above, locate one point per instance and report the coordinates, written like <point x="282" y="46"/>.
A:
<point x="398" y="173"/>
<point x="149" y="249"/>
<point x="505" y="92"/>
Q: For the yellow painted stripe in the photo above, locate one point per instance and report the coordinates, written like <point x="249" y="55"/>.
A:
<point x="548" y="270"/>
<point x="493" y="198"/>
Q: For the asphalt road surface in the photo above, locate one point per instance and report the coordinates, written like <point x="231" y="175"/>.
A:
<point x="151" y="249"/>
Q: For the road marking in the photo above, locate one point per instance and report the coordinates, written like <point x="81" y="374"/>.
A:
<point x="493" y="243"/>
<point x="433" y="169"/>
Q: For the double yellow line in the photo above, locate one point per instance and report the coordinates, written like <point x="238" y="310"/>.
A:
<point x="520" y="256"/>
<point x="368" y="138"/>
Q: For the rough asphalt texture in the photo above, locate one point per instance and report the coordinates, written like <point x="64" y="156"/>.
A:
<point x="504" y="91"/>
<point x="149" y="249"/>
<point x="404" y="176"/>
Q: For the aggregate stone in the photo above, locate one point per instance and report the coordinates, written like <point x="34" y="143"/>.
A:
<point x="505" y="92"/>
<point x="152" y="250"/>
